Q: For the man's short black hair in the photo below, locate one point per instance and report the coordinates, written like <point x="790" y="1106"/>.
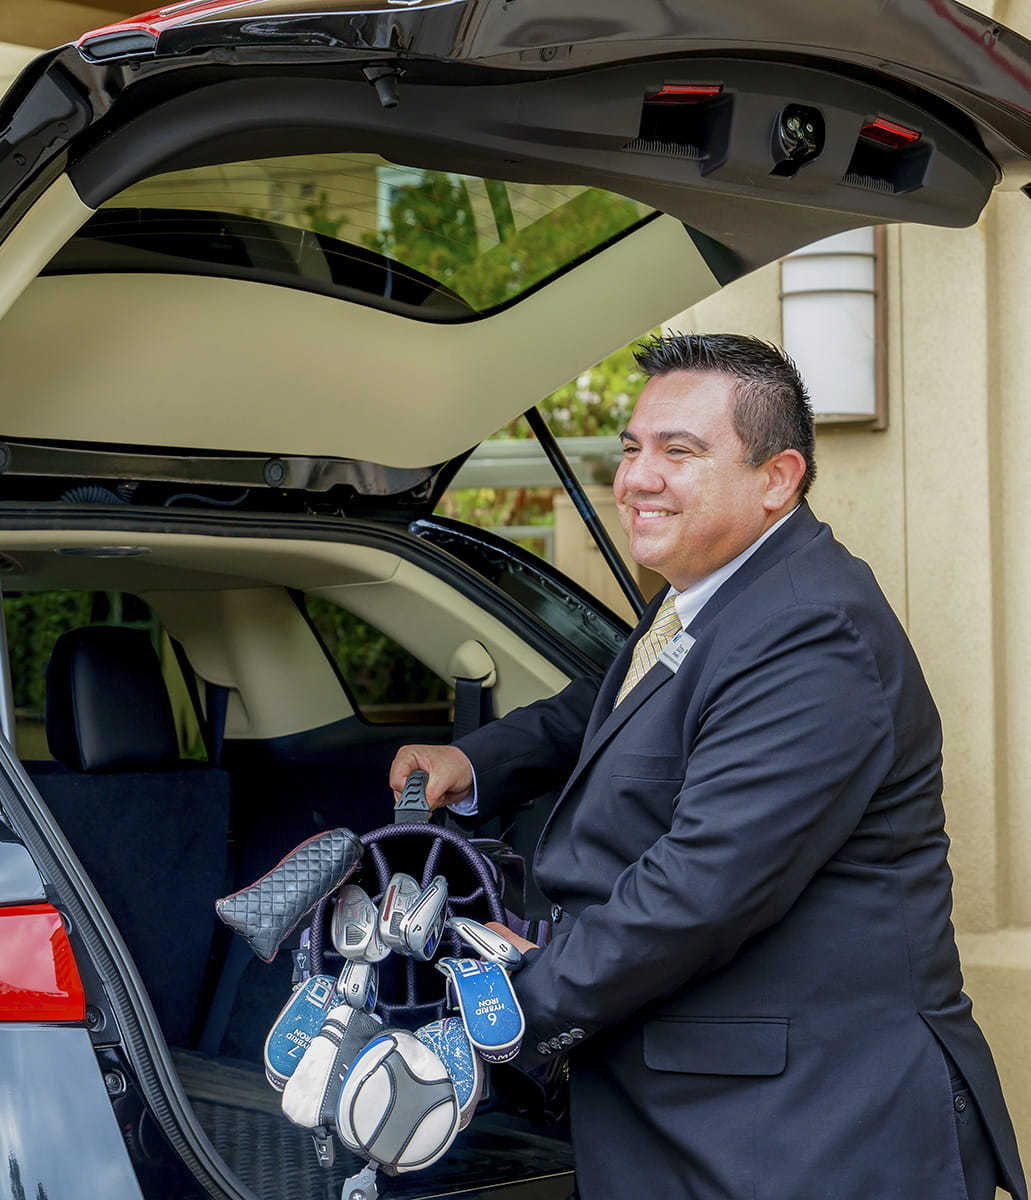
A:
<point x="771" y="410"/>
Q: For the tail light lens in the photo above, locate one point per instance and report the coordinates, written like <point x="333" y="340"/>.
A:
<point x="684" y="93"/>
<point x="154" y="22"/>
<point x="888" y="133"/>
<point x="39" y="980"/>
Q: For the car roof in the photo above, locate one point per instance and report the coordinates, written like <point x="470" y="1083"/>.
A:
<point x="226" y="209"/>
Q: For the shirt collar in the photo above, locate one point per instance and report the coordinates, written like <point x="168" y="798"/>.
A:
<point x="690" y="602"/>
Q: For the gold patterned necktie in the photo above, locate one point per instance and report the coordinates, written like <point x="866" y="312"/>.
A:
<point x="646" y="653"/>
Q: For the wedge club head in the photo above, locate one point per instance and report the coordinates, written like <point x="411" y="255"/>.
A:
<point x="355" y="927"/>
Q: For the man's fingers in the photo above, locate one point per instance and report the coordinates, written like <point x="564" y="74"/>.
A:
<point x="449" y="772"/>
<point x="405" y="762"/>
<point x="520" y="943"/>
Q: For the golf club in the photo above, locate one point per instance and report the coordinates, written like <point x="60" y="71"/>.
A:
<point x="400" y="896"/>
<point x="354" y="929"/>
<point x="420" y="927"/>
<point x="487" y="944"/>
<point x="358" y="985"/>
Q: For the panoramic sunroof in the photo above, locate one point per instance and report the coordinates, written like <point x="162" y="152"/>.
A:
<point x="435" y="245"/>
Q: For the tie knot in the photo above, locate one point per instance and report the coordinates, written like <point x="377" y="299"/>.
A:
<point x="667" y="619"/>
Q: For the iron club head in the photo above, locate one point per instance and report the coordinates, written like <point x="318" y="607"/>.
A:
<point x="358" y="985"/>
<point x="487" y="944"/>
<point x="400" y="896"/>
<point x="355" y="927"/>
<point x="421" y="926"/>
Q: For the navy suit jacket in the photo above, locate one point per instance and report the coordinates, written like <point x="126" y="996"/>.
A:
<point x="751" y="859"/>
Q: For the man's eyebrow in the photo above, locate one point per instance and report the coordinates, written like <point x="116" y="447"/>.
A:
<point x="672" y="435"/>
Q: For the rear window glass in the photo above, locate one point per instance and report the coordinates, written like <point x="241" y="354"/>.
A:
<point x="446" y="246"/>
<point x="34" y="622"/>
<point x="386" y="683"/>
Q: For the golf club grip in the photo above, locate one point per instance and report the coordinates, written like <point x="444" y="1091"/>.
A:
<point x="412" y="805"/>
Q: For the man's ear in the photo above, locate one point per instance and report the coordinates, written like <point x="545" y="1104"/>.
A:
<point x="784" y="473"/>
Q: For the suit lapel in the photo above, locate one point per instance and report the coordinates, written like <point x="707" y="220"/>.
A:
<point x="615" y="675"/>
<point x="605" y="720"/>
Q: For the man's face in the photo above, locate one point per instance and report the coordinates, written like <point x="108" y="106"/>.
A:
<point x="687" y="500"/>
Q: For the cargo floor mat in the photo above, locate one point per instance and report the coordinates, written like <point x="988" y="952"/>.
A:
<point x="241" y="1116"/>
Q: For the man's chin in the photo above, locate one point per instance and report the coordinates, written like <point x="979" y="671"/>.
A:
<point x="650" y="557"/>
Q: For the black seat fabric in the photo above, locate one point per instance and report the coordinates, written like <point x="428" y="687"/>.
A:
<point x="150" y="830"/>
<point x="107" y="706"/>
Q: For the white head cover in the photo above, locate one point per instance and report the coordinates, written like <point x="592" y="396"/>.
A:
<point x="398" y="1104"/>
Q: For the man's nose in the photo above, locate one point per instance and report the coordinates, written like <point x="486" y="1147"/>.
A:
<point x="641" y="474"/>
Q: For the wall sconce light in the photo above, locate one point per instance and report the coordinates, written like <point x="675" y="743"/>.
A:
<point x="832" y="321"/>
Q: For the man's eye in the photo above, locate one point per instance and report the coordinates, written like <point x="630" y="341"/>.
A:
<point x="628" y="449"/>
<point x="677" y="451"/>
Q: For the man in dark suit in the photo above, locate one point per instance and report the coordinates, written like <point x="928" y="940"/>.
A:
<point x="752" y="968"/>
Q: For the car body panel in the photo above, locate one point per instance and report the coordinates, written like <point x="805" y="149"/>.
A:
<point x="60" y="1139"/>
<point x="19" y="877"/>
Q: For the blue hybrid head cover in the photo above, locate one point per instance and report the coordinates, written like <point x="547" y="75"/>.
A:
<point x="483" y="994"/>
<point x="297" y="1025"/>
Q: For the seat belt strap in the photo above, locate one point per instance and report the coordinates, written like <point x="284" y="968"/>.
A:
<point x="470" y="699"/>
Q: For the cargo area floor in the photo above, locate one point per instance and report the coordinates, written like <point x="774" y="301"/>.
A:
<point x="241" y="1116"/>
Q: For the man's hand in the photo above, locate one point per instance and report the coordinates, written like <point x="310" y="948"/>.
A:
<point x="520" y="943"/>
<point x="450" y="773"/>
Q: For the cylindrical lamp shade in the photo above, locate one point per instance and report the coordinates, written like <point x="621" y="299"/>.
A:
<point x="828" y="314"/>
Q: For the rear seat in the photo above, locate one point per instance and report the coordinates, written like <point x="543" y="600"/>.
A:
<point x="150" y="829"/>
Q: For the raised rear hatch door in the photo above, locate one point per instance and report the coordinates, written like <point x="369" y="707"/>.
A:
<point x="374" y="233"/>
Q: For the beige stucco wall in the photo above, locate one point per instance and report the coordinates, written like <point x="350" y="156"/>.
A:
<point x="935" y="504"/>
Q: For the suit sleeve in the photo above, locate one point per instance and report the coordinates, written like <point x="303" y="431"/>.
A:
<point x="795" y="737"/>
<point x="530" y="750"/>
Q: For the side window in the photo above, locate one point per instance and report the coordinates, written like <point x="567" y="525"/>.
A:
<point x="387" y="684"/>
<point x="35" y="620"/>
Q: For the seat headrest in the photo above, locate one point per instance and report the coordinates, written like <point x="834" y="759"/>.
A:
<point x="107" y="705"/>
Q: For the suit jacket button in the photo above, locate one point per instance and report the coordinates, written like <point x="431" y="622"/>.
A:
<point x="543" y="1048"/>
<point x="959" y="1103"/>
<point x="577" y="1033"/>
<point x="566" y="1039"/>
<point x="556" y="913"/>
<point x="555" y="1043"/>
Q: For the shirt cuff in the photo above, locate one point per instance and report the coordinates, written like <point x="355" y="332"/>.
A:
<point x="468" y="807"/>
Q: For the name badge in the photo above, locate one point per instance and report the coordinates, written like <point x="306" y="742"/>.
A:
<point x="676" y="651"/>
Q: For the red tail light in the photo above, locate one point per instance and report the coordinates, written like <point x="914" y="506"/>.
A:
<point x="684" y="93"/>
<point x="39" y="980"/>
<point x="158" y="19"/>
<point x="889" y="134"/>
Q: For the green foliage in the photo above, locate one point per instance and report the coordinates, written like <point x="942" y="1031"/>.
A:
<point x="35" y="620"/>
<point x="320" y="217"/>
<point x="433" y="228"/>
<point x="377" y="670"/>
<point x="598" y="402"/>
